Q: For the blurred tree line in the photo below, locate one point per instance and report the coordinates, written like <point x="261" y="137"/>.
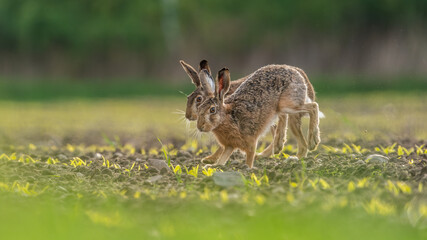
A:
<point x="140" y="37"/>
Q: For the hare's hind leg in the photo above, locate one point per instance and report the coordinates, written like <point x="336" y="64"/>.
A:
<point x="279" y="138"/>
<point x="214" y="157"/>
<point x="295" y="126"/>
<point x="313" y="129"/>
<point x="293" y="105"/>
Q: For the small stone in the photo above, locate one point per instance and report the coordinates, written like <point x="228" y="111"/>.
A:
<point x="153" y="170"/>
<point x="228" y="179"/>
<point x="291" y="159"/>
<point x="235" y="162"/>
<point x="164" y="171"/>
<point x="107" y="171"/>
<point x="80" y="175"/>
<point x="118" y="154"/>
<point x="360" y="162"/>
<point x="154" y="178"/>
<point x="158" y="164"/>
<point x="185" y="154"/>
<point x="98" y="155"/>
<point x="376" y="158"/>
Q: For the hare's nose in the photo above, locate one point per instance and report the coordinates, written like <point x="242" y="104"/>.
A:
<point x="201" y="127"/>
<point x="190" y="116"/>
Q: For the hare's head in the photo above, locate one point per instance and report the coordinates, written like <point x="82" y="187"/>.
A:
<point x="202" y="89"/>
<point x="211" y="111"/>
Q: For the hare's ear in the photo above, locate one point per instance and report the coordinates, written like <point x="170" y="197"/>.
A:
<point x="204" y="65"/>
<point x="191" y="72"/>
<point x="222" y="84"/>
<point x="206" y="81"/>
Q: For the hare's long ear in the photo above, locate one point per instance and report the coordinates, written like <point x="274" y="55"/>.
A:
<point x="204" y="65"/>
<point x="206" y="81"/>
<point x="191" y="72"/>
<point x="222" y="83"/>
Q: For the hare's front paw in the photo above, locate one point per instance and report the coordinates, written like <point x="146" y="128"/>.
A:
<point x="210" y="166"/>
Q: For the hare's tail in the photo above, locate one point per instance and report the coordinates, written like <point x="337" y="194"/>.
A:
<point x="309" y="100"/>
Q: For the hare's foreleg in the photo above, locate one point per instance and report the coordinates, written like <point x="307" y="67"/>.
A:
<point x="250" y="149"/>
<point x="280" y="134"/>
<point x="295" y="126"/>
<point x="225" y="155"/>
<point x="214" y="157"/>
<point x="250" y="157"/>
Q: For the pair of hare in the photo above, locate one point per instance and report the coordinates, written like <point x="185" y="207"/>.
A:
<point x="239" y="112"/>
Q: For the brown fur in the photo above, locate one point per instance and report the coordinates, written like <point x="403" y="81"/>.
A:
<point x="192" y="103"/>
<point x="279" y="132"/>
<point x="274" y="90"/>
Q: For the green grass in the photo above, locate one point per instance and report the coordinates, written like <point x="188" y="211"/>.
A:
<point x="46" y="219"/>
<point x="80" y="169"/>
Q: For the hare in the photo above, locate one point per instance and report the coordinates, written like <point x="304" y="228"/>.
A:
<point x="279" y="132"/>
<point x="237" y="123"/>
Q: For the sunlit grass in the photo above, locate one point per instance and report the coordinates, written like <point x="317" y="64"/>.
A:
<point x="80" y="170"/>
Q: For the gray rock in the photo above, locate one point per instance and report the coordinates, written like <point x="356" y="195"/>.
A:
<point x="80" y="175"/>
<point x="291" y="159"/>
<point x="360" y="162"/>
<point x="185" y="154"/>
<point x="158" y="164"/>
<point x="98" y="155"/>
<point x="228" y="179"/>
<point x="154" y="179"/>
<point x="376" y="158"/>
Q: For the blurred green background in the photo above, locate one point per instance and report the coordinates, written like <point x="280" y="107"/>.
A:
<point x="51" y="49"/>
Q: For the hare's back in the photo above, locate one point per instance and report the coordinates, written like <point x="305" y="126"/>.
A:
<point x="264" y="85"/>
<point x="255" y="102"/>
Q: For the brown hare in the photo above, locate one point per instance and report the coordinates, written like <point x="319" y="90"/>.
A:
<point x="237" y="123"/>
<point x="279" y="132"/>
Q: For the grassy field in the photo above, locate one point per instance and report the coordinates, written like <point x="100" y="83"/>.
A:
<point x="95" y="169"/>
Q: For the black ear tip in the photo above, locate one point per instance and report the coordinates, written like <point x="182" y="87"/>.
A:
<point x="222" y="71"/>
<point x="204" y="64"/>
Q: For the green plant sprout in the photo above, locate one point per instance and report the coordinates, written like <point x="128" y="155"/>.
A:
<point x="105" y="163"/>
<point x="165" y="152"/>
<point x="209" y="171"/>
<point x="194" y="171"/>
<point x="177" y="171"/>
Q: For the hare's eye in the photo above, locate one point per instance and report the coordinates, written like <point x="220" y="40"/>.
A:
<point x="212" y="110"/>
<point x="198" y="99"/>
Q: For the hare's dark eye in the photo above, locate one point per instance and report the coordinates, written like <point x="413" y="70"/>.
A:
<point x="212" y="110"/>
<point x="198" y="99"/>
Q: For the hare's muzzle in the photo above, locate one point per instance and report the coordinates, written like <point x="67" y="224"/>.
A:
<point x="190" y="116"/>
<point x="201" y="126"/>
